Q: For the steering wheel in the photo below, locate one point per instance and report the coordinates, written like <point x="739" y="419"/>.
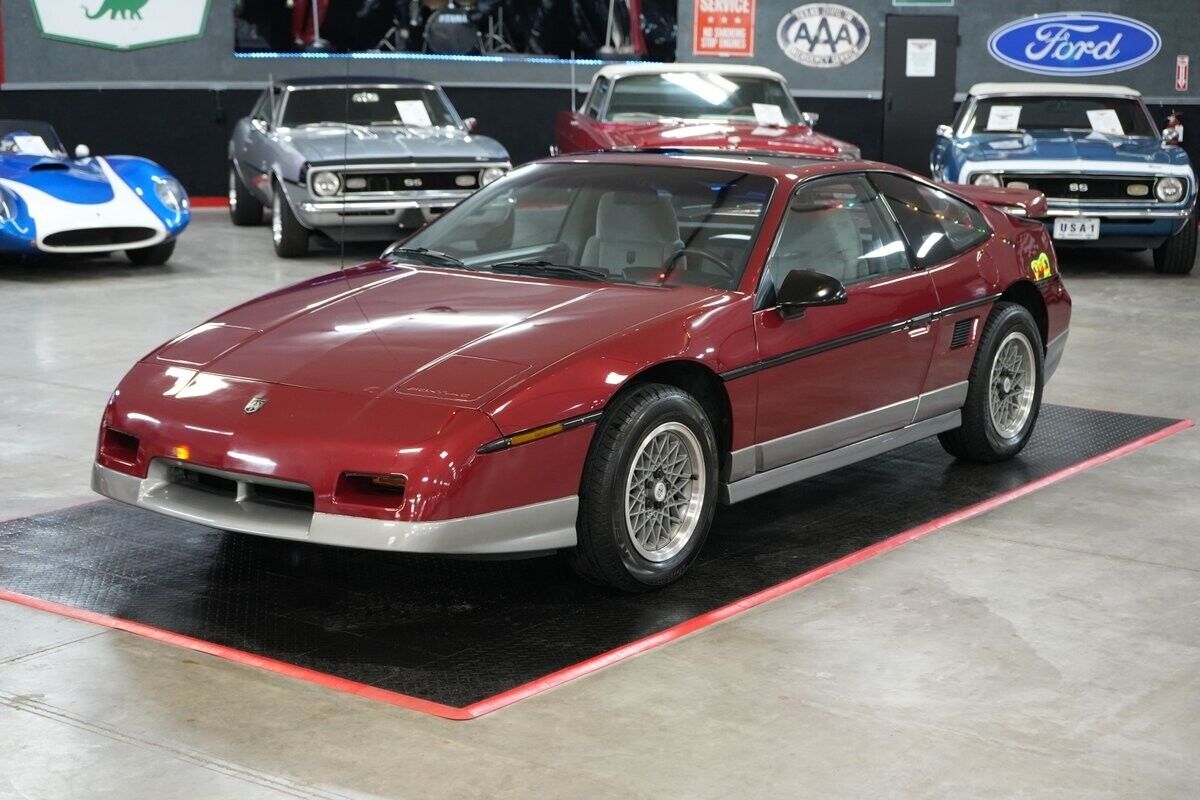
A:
<point x="733" y="112"/>
<point x="669" y="264"/>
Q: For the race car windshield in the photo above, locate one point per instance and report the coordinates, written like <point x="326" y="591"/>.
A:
<point x="411" y="106"/>
<point x="701" y="95"/>
<point x="30" y="138"/>
<point x="647" y="224"/>
<point x="1120" y="116"/>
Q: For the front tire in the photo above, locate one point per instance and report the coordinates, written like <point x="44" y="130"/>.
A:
<point x="1177" y="255"/>
<point x="649" y="490"/>
<point x="244" y="208"/>
<point x="154" y="256"/>
<point x="1004" y="393"/>
<point x="287" y="234"/>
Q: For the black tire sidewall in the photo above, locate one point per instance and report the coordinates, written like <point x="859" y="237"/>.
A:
<point x="293" y="240"/>
<point x="1177" y="256"/>
<point x="604" y="506"/>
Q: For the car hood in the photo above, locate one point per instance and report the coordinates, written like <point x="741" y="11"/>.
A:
<point x="744" y="135"/>
<point x="449" y="336"/>
<point x="390" y="143"/>
<point x="1072" y="146"/>
<point x="78" y="181"/>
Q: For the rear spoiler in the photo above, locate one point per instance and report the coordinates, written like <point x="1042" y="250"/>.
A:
<point x="1017" y="202"/>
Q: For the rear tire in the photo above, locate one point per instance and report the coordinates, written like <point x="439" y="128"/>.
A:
<point x="1177" y="255"/>
<point x="154" y="256"/>
<point x="287" y="234"/>
<point x="649" y="490"/>
<point x="244" y="208"/>
<point x="1004" y="393"/>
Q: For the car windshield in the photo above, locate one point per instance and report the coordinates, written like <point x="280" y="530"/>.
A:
<point x="1112" y="115"/>
<point x="614" y="222"/>
<point x="30" y="138"/>
<point x="701" y="95"/>
<point x="413" y="106"/>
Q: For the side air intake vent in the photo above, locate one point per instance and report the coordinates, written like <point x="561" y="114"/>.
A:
<point x="962" y="333"/>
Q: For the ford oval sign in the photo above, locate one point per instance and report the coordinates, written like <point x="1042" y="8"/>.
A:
<point x="1077" y="43"/>
<point x="823" y="35"/>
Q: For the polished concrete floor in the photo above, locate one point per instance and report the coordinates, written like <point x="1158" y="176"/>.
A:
<point x="1049" y="648"/>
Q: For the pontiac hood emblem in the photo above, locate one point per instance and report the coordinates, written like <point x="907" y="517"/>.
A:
<point x="255" y="404"/>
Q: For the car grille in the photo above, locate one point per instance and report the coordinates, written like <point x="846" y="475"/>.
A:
<point x="98" y="237"/>
<point x="1087" y="187"/>
<point x="251" y="491"/>
<point x="409" y="181"/>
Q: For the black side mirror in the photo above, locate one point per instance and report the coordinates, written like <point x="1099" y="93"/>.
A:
<point x="803" y="288"/>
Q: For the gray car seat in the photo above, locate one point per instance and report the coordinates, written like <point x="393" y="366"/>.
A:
<point x="633" y="229"/>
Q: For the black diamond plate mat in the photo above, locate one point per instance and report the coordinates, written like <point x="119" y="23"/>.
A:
<point x="456" y="632"/>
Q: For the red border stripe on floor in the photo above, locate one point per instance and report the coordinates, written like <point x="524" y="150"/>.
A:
<point x="603" y="660"/>
<point x="209" y="202"/>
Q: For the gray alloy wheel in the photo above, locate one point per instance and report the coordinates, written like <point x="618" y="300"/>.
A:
<point x="1004" y="388"/>
<point x="287" y="234"/>
<point x="1012" y="380"/>
<point x="244" y="208"/>
<point x="649" y="489"/>
<point x="664" y="491"/>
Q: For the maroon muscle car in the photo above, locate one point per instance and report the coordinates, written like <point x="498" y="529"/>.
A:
<point x="692" y="105"/>
<point x="591" y="353"/>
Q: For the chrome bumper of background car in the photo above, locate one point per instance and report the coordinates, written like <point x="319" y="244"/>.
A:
<point x="538" y="527"/>
<point x="1056" y="208"/>
<point x="379" y="210"/>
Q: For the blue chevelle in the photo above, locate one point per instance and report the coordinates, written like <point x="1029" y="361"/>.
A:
<point x="52" y="203"/>
<point x="1110" y="178"/>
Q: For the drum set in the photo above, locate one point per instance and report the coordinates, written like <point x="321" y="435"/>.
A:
<point x="447" y="27"/>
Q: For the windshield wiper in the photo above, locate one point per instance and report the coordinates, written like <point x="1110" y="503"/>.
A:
<point x="426" y="255"/>
<point x="550" y="268"/>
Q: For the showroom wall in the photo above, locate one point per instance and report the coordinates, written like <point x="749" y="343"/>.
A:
<point x="199" y="88"/>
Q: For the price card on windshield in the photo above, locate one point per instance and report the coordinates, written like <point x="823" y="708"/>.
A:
<point x="1105" y="120"/>
<point x="31" y="145"/>
<point x="413" y="112"/>
<point x="1004" y="118"/>
<point x="769" y="115"/>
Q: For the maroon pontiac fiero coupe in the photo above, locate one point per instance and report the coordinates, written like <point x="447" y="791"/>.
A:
<point x="719" y="106"/>
<point x="592" y="352"/>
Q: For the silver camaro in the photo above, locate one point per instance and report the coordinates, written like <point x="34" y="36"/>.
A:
<point x="355" y="159"/>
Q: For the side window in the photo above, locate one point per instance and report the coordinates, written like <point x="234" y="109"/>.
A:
<point x="596" y="99"/>
<point x="837" y="226"/>
<point x="937" y="225"/>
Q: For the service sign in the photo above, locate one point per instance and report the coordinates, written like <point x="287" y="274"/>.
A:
<point x="724" y="28"/>
<point x="823" y="35"/>
<point x="121" y="24"/>
<point x="1075" y="43"/>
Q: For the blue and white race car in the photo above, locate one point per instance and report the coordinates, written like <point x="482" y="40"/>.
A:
<point x="1110" y="178"/>
<point x="52" y="203"/>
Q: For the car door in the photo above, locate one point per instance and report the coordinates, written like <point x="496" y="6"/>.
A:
<point x="255" y="147"/>
<point x="949" y="239"/>
<point x="840" y="373"/>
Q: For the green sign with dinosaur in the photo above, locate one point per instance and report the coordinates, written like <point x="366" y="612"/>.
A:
<point x="121" y="24"/>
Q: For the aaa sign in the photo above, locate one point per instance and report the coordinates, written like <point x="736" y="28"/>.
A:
<point x="724" y="28"/>
<point x="121" y="24"/>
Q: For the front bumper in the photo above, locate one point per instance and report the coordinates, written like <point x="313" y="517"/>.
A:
<point x="537" y="527"/>
<point x="1121" y="225"/>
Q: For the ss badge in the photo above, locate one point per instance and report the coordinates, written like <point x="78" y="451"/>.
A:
<point x="255" y="404"/>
